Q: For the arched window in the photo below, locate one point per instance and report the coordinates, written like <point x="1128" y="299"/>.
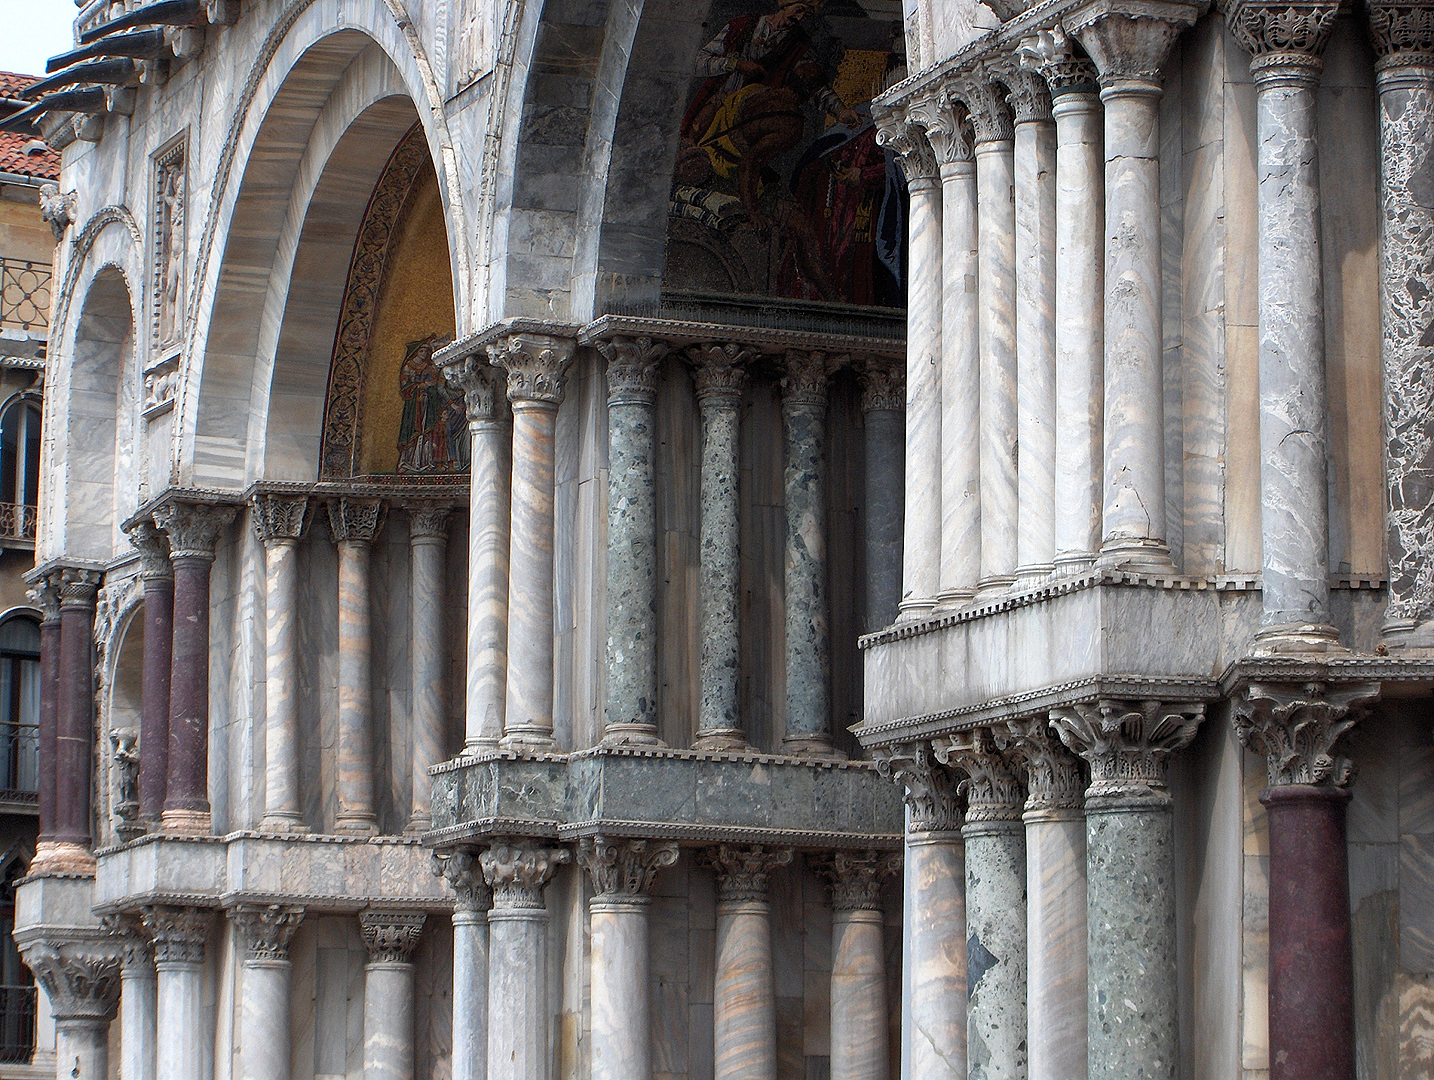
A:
<point x="19" y="469"/>
<point x="19" y="709"/>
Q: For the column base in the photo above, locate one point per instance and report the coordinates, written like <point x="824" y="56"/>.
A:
<point x="418" y="824"/>
<point x="1403" y="635"/>
<point x="1073" y="564"/>
<point x="1297" y="638"/>
<point x="478" y="747"/>
<point x="1032" y="577"/>
<point x="994" y="587"/>
<point x="631" y="734"/>
<point x="529" y="740"/>
<point x="953" y="600"/>
<point x="722" y="741"/>
<point x="356" y="825"/>
<point x="283" y="824"/>
<point x="914" y="610"/>
<point x="1137" y="554"/>
<point x="187" y="823"/>
<point x="819" y="746"/>
<point x="62" y="857"/>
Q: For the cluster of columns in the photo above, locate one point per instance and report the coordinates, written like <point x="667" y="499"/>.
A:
<point x="1085" y="982"/>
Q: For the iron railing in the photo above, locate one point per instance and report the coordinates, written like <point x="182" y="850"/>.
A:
<point x="17" y="521"/>
<point x="19" y="762"/>
<point x="17" y="1023"/>
<point x="24" y="294"/>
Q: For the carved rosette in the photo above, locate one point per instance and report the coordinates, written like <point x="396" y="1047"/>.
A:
<point x="1297" y="726"/>
<point x="267" y="929"/>
<point x="931" y="792"/>
<point x="991" y="117"/>
<point x="1127" y="744"/>
<point x="81" y="978"/>
<point x="178" y="933"/>
<point x="193" y="528"/>
<point x="153" y="548"/>
<point x="804" y="379"/>
<point x="1285" y="39"/>
<point x="391" y="936"/>
<point x="355" y="520"/>
<point x="1053" y="773"/>
<point x="464" y="873"/>
<point x="537" y="367"/>
<point x="632" y="369"/>
<point x="947" y="124"/>
<point x="1061" y="62"/>
<point x="883" y="385"/>
<point x="993" y="784"/>
<point x="908" y="142"/>
<point x="856" y="877"/>
<point x="482" y="388"/>
<point x="78" y="588"/>
<point x="720" y="371"/>
<point x="517" y="873"/>
<point x="624" y="870"/>
<point x="1403" y="35"/>
<point x="428" y="520"/>
<point x="280" y="517"/>
<point x="1129" y="40"/>
<point x="744" y="873"/>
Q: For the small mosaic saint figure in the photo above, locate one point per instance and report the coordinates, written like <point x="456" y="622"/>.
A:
<point x="433" y="433"/>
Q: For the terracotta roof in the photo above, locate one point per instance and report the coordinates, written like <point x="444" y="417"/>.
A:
<point x="24" y="154"/>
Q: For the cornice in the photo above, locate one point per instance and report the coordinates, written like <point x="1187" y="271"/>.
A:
<point x="477" y="343"/>
<point x="769" y="341"/>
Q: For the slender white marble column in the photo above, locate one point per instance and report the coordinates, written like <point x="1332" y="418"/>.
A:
<point x="933" y="960"/>
<point x="472" y="899"/>
<point x="1129" y="41"/>
<point x="427" y="546"/>
<point x="354" y="524"/>
<point x="883" y="388"/>
<point x="490" y="434"/>
<point x="948" y="131"/>
<point x="1055" y="904"/>
<point x="279" y="522"/>
<point x="537" y="367"/>
<point x="1403" y="38"/>
<point x="179" y="936"/>
<point x="138" y="1007"/>
<point x="622" y="873"/>
<point x="921" y="552"/>
<point x="519" y="1018"/>
<point x="1079" y="299"/>
<point x="82" y="982"/>
<point x="860" y="1022"/>
<point x="391" y="937"/>
<point x="264" y="1030"/>
<point x="1035" y="168"/>
<point x="744" y="1003"/>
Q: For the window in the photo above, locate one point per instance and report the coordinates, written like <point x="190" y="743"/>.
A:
<point x="17" y="985"/>
<point x="19" y="469"/>
<point x="19" y="709"/>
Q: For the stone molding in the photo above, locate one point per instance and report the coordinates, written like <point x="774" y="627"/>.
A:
<point x="856" y="877"/>
<point x="78" y="588"/>
<point x="883" y="385"/>
<point x="391" y="936"/>
<point x="179" y="933"/>
<point x="805" y="376"/>
<point x="1061" y="62"/>
<point x="537" y="366"/>
<point x="1127" y="744"/>
<point x="1053" y="773"/>
<point x="744" y="873"/>
<point x="624" y="869"/>
<point x="1402" y="34"/>
<point x="355" y="520"/>
<point x="82" y="978"/>
<point x="517" y="872"/>
<point x="463" y="871"/>
<point x="427" y="520"/>
<point x="1130" y="40"/>
<point x="908" y="142"/>
<point x="1285" y="39"/>
<point x="192" y="528"/>
<point x="633" y="365"/>
<point x="947" y="123"/>
<point x="481" y="385"/>
<point x="932" y="795"/>
<point x="153" y="547"/>
<point x="720" y="371"/>
<point x="279" y="517"/>
<point x="993" y="784"/>
<point x="1297" y="726"/>
<point x="267" y="929"/>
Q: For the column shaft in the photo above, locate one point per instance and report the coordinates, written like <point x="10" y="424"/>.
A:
<point x="82" y="1047"/>
<point x="180" y="1024"/>
<point x="138" y="1016"/>
<point x="264" y="1019"/>
<point x="428" y="542"/>
<point x="281" y="687"/>
<point x="859" y="1026"/>
<point x="934" y="956"/>
<point x="882" y="400"/>
<point x="158" y="577"/>
<point x="75" y="708"/>
<point x="186" y="800"/>
<point x="470" y="995"/>
<point x="46" y="595"/>
<point x="960" y="473"/>
<point x="622" y="1040"/>
<point x="356" y="811"/>
<point x="744" y="1004"/>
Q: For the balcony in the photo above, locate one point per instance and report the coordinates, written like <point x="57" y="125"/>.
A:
<point x="19" y="768"/>
<point x="17" y="523"/>
<point x="17" y="1024"/>
<point x="24" y="294"/>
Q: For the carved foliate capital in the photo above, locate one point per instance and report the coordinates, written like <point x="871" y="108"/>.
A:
<point x="985" y="99"/>
<point x="907" y="140"/>
<point x="267" y="929"/>
<point x="1061" y="62"/>
<point x="932" y="794"/>
<point x="464" y="873"/>
<point x="537" y="366"/>
<point x="428" y="520"/>
<point x="720" y="371"/>
<point x="1403" y="34"/>
<point x="280" y="517"/>
<point x="483" y="388"/>
<point x="1030" y="95"/>
<point x="805" y="373"/>
<point x="81" y="978"/>
<point x="153" y="548"/>
<point x="744" y="873"/>
<point x="518" y="872"/>
<point x="883" y="385"/>
<point x="391" y="936"/>
<point x="1053" y="773"/>
<point x="137" y="951"/>
<point x="1130" y="40"/>
<point x="1127" y="744"/>
<point x="1284" y="39"/>
<point x="947" y="124"/>
<point x="178" y="933"/>
<point x="632" y="369"/>
<point x="45" y="595"/>
<point x="193" y="528"/>
<point x="1297" y="727"/>
<point x="78" y="588"/>
<point x="856" y="877"/>
<point x="357" y="520"/>
<point x="993" y="783"/>
<point x="624" y="869"/>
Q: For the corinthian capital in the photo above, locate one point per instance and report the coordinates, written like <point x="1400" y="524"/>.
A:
<point x="45" y="595"/>
<point x="985" y="98"/>
<point x="464" y="873"/>
<point x="883" y="385"/>
<point x="1053" y="775"/>
<point x="624" y="869"/>
<point x="1403" y="34"/>
<point x="81" y="978"/>
<point x="1127" y="744"/>
<point x="267" y="929"/>
<point x="1030" y="96"/>
<point x="743" y="873"/>
<point x="908" y="142"/>
<point x="178" y="933"/>
<point x="193" y="528"/>
<point x="947" y="124"/>
<point x="804" y="378"/>
<point x="930" y="790"/>
<point x="517" y="873"/>
<point x="1129" y="40"/>
<point x="482" y="388"/>
<point x="993" y="784"/>
<point x="856" y="877"/>
<point x="280" y="517"/>
<point x="391" y="936"/>
<point x="1283" y="38"/>
<point x="1061" y="62"/>
<point x="632" y="367"/>
<point x="720" y="370"/>
<point x="153" y="547"/>
<point x="358" y="520"/>
<point x="537" y="366"/>
<point x="1297" y="726"/>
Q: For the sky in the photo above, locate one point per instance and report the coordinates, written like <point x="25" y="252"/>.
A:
<point x="34" y="30"/>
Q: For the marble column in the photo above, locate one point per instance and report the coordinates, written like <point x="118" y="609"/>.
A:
<point x="948" y="131"/>
<point x="622" y="873"/>
<point x="1311" y="970"/>
<point x="490" y="435"/>
<point x="804" y="422"/>
<point x="1129" y="41"/>
<point x="82" y="980"/>
<point x="264" y="1023"/>
<point x="921" y="537"/>
<point x="1285" y="44"/>
<point x="158" y="576"/>
<point x="75" y="724"/>
<point x="1079" y="296"/>
<point x="44" y="594"/>
<point x="279" y="522"/>
<point x="744" y="1002"/>
<point x="720" y="373"/>
<point x="1132" y="1012"/>
<point x="860" y="1019"/>
<point x="1035" y="176"/>
<point x="179" y="935"/>
<point x="537" y="366"/>
<point x="631" y="687"/>
<point x="428" y="645"/>
<point x="883" y="391"/>
<point x="138" y="1005"/>
<point x="1403" y="37"/>
<point x="193" y="532"/>
<point x="472" y="899"/>
<point x="1055" y="903"/>
<point x="519" y="1014"/>
<point x="388" y="1033"/>
<point x="933" y="961"/>
<point x="354" y="524"/>
<point x="996" y="1036"/>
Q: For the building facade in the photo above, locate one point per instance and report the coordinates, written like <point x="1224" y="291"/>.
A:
<point x="827" y="539"/>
